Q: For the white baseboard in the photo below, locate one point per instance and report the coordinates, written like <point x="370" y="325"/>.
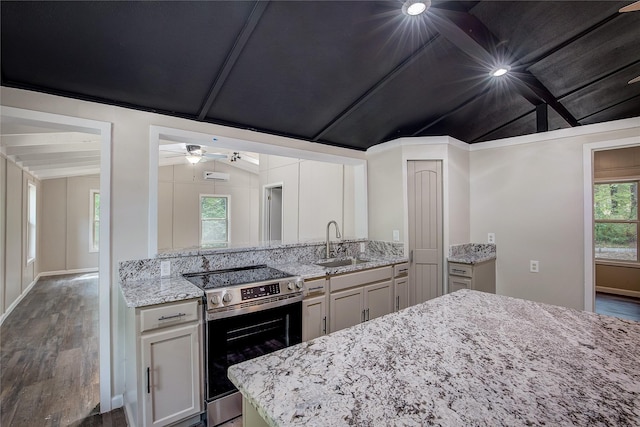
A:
<point x="616" y="291"/>
<point x="75" y="271"/>
<point x="15" y="302"/>
<point x="116" y="402"/>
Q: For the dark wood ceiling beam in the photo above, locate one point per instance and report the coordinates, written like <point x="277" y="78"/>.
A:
<point x="374" y="89"/>
<point x="546" y="54"/>
<point x="459" y="107"/>
<point x="232" y="57"/>
<point x="611" y="106"/>
<point x="466" y="32"/>
<point x="599" y="79"/>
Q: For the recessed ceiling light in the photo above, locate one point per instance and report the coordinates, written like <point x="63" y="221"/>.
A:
<point x="500" y="71"/>
<point x="415" y="7"/>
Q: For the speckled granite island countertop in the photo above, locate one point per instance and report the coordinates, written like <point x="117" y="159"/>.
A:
<point x="465" y="359"/>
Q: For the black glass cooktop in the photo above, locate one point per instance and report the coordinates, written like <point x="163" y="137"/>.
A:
<point x="235" y="276"/>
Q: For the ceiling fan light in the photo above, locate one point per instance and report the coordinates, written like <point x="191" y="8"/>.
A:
<point x="415" y="7"/>
<point x="500" y="71"/>
<point x="193" y="159"/>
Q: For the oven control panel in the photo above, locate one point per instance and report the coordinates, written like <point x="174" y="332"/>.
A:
<point x="260" y="291"/>
<point x="225" y="298"/>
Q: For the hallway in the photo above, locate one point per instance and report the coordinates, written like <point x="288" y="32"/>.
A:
<point x="49" y="364"/>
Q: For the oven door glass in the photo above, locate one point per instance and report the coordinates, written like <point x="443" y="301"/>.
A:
<point x="236" y="339"/>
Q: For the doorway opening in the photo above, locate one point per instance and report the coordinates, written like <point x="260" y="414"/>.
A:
<point x="272" y="212"/>
<point x="28" y="119"/>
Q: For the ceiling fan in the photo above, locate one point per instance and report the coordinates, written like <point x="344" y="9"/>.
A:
<point x="633" y="7"/>
<point x="195" y="154"/>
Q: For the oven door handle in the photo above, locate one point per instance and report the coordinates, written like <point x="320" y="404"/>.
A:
<point x="240" y="310"/>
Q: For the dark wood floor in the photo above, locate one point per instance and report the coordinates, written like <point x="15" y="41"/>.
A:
<point x="618" y="306"/>
<point x="49" y="372"/>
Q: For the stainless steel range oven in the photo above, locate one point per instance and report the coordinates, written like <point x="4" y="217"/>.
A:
<point x="248" y="312"/>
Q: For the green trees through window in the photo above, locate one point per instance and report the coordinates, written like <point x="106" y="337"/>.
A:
<point x="214" y="220"/>
<point x="616" y="220"/>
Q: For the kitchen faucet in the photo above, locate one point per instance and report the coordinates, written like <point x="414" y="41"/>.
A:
<point x="337" y="235"/>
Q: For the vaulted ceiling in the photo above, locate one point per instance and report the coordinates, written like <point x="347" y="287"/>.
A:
<point x="351" y="74"/>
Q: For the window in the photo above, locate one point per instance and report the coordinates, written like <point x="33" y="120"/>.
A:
<point x="94" y="223"/>
<point x="214" y="220"/>
<point x="31" y="222"/>
<point x="616" y="221"/>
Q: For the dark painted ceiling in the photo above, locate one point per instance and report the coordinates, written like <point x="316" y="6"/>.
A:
<point x="350" y="74"/>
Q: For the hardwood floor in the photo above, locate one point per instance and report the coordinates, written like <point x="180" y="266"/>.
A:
<point x="49" y="373"/>
<point x="618" y="306"/>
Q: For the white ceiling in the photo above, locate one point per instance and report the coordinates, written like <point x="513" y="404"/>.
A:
<point x="49" y="152"/>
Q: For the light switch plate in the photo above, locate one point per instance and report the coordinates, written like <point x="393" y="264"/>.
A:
<point x="491" y="237"/>
<point x="534" y="266"/>
<point x="165" y="268"/>
<point x="396" y="235"/>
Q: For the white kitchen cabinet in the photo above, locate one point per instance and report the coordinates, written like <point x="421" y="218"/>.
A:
<point x="314" y="317"/>
<point x="346" y="308"/>
<point x="164" y="364"/>
<point x="171" y="367"/>
<point x="401" y="286"/>
<point x="478" y="277"/>
<point x="378" y="300"/>
<point x="358" y="297"/>
<point x="401" y="292"/>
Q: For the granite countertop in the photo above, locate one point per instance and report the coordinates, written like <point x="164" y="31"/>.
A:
<point x="472" y="253"/>
<point x="466" y="358"/>
<point x="147" y="292"/>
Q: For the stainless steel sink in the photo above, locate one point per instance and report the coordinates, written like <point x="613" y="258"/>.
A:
<point x="341" y="262"/>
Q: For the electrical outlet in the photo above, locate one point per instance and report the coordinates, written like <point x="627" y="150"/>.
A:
<point x="491" y="237"/>
<point x="396" y="235"/>
<point x="534" y="266"/>
<point x="165" y="268"/>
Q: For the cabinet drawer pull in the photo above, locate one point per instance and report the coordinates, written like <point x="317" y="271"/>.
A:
<point x="324" y="325"/>
<point x="172" y="317"/>
<point x="148" y="380"/>
<point x="455" y="270"/>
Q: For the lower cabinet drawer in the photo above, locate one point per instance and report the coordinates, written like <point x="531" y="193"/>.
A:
<point x="168" y="315"/>
<point x="460" y="269"/>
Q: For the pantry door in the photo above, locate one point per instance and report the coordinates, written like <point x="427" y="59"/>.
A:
<point x="424" y="189"/>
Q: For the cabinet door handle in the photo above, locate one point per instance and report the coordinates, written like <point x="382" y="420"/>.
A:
<point x="148" y="380"/>
<point x="398" y="303"/>
<point x="363" y="318"/>
<point x="172" y="317"/>
<point x="324" y="325"/>
<point x="367" y="314"/>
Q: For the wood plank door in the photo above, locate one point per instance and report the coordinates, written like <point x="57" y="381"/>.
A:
<point x="424" y="187"/>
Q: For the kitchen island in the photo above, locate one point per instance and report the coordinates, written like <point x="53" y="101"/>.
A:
<point x="467" y="358"/>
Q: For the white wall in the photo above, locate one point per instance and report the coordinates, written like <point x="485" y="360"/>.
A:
<point x="313" y="193"/>
<point x="529" y="191"/>
<point x="66" y="226"/>
<point x="3" y="228"/>
<point x="179" y="189"/>
<point x="387" y="183"/>
<point x="17" y="274"/>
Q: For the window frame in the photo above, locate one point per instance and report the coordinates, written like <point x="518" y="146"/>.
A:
<point x="228" y="219"/>
<point x="93" y="247"/>
<point x="611" y="261"/>
<point x="31" y="246"/>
